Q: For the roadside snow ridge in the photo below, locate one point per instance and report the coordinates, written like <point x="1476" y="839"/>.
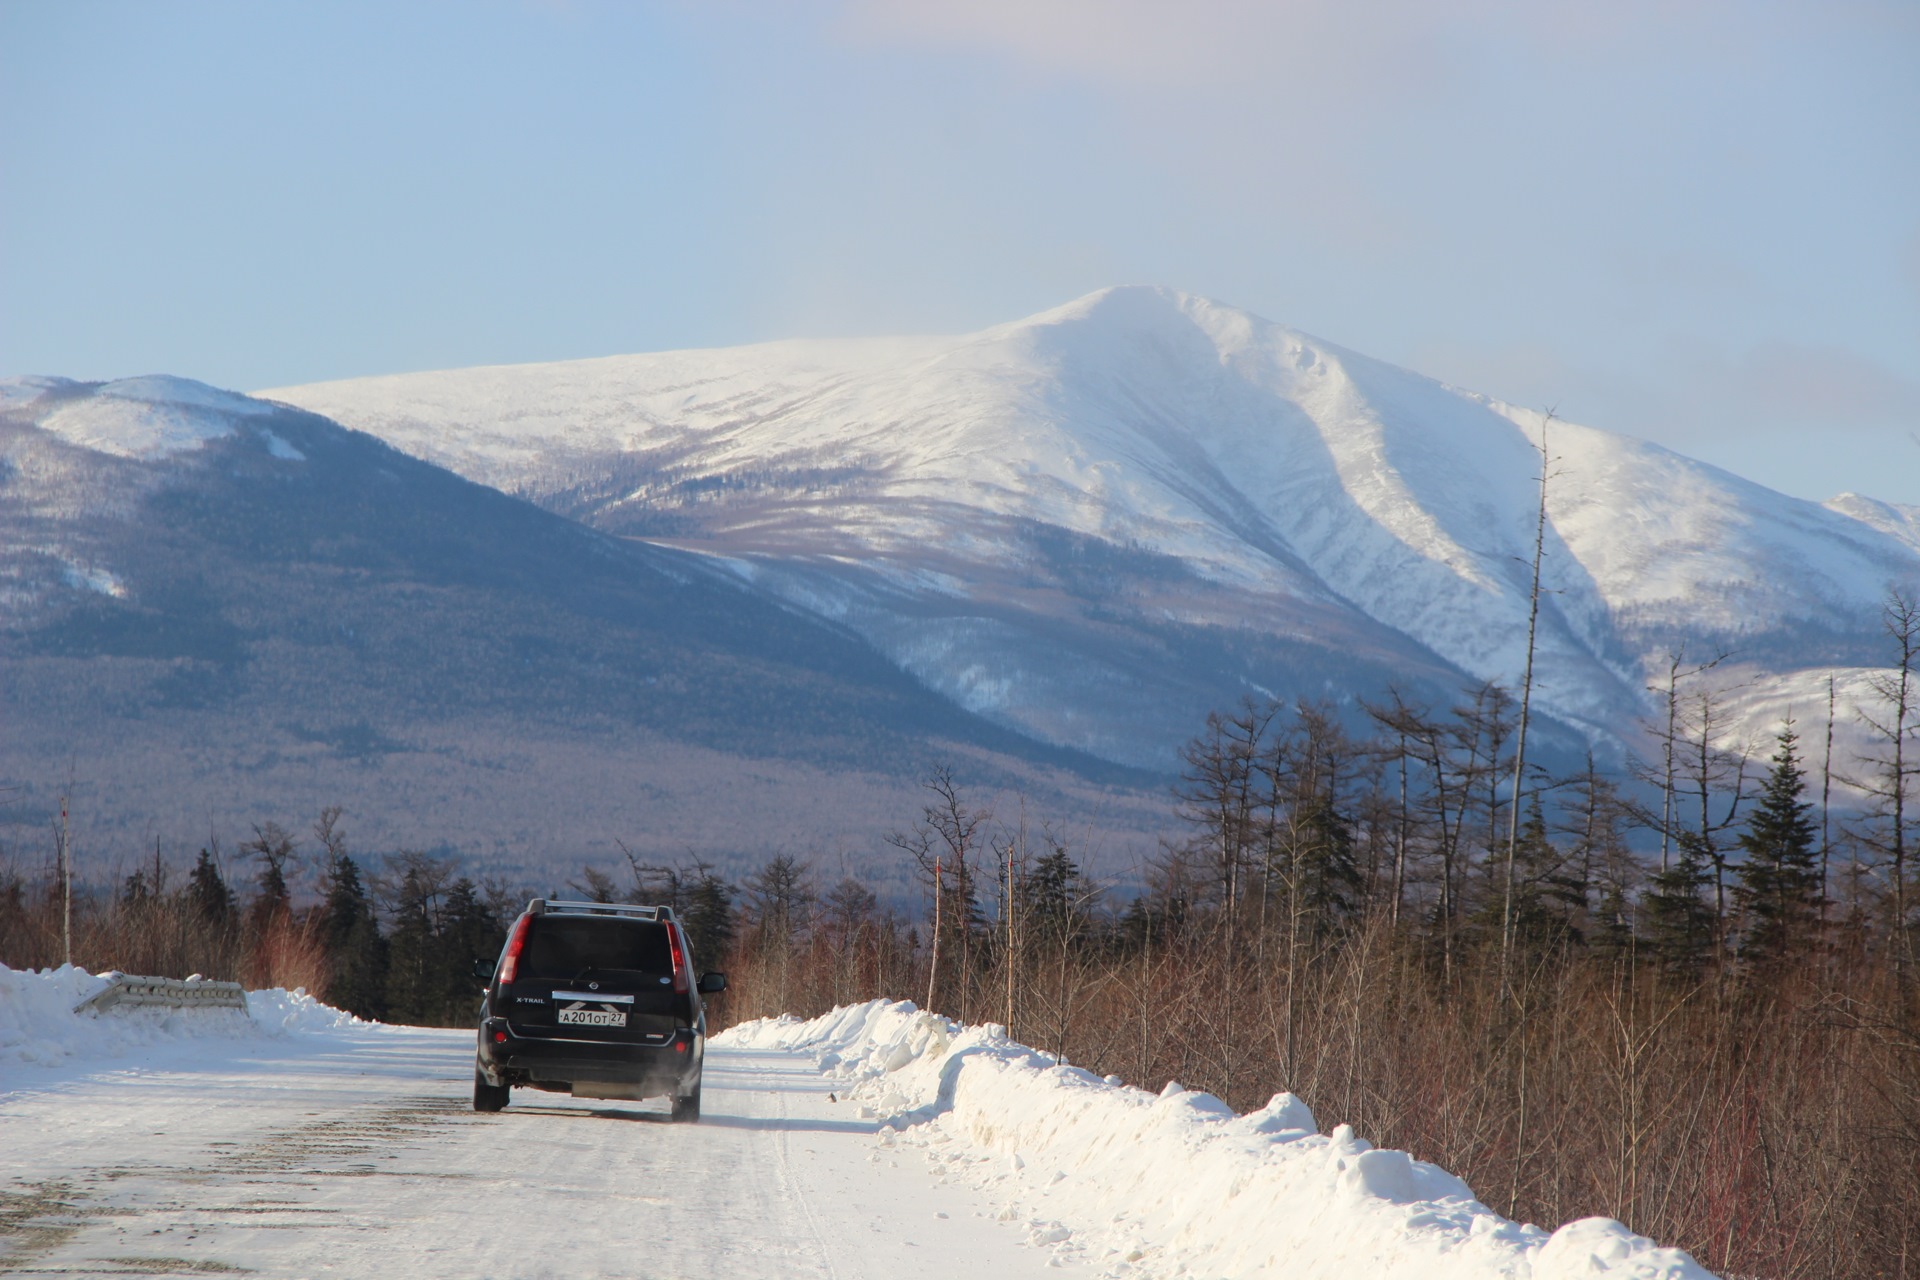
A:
<point x="1175" y="1183"/>
<point x="40" y="1025"/>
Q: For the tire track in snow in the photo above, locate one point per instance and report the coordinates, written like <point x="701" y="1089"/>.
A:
<point x="782" y="1138"/>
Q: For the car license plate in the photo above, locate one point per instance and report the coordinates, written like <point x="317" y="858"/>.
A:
<point x="575" y="1015"/>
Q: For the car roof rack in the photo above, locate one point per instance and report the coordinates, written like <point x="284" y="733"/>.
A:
<point x="629" y="910"/>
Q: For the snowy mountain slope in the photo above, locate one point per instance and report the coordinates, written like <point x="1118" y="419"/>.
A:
<point x="1094" y="523"/>
<point x="149" y="418"/>
<point x="214" y="608"/>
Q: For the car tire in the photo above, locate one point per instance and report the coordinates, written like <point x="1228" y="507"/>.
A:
<point x="687" y="1110"/>
<point x="488" y="1097"/>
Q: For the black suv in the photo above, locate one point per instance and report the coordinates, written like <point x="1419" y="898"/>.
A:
<point x="596" y="999"/>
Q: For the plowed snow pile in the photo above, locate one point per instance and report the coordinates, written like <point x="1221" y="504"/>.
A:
<point x="39" y="1028"/>
<point x="1173" y="1184"/>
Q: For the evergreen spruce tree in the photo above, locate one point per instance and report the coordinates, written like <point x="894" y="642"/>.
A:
<point x="1049" y="894"/>
<point x="414" y="978"/>
<point x="363" y="975"/>
<point x="1679" y="918"/>
<point x="356" y="953"/>
<point x="1326" y="875"/>
<point x="469" y="931"/>
<point x="346" y="901"/>
<point x="208" y="896"/>
<point x="135" y="892"/>
<point x="1548" y="897"/>
<point x="708" y="917"/>
<point x="1779" y="883"/>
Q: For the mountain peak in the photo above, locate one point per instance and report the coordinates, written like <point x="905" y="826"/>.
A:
<point x="1144" y="309"/>
<point x="1143" y="468"/>
<point x="147" y="417"/>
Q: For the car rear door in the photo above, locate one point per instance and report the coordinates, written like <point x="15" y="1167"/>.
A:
<point x="594" y="978"/>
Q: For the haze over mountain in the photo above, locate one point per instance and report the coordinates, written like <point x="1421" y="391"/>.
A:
<point x="219" y="611"/>
<point x="1097" y="523"/>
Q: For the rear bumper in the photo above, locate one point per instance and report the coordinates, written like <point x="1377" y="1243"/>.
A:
<point x="644" y="1071"/>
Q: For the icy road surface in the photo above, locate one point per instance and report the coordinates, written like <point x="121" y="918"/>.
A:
<point x="358" y="1154"/>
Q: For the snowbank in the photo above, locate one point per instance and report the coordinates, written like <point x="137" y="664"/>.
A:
<point x="1140" y="1184"/>
<point x="38" y="1025"/>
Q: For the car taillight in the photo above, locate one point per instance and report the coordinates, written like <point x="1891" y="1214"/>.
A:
<point x="510" y="962"/>
<point x="679" y="958"/>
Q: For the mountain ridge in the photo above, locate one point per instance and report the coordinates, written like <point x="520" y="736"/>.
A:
<point x="1296" y="489"/>
<point x="223" y="611"/>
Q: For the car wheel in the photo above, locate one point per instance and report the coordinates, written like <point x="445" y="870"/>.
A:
<point x="686" y="1110"/>
<point x="488" y="1097"/>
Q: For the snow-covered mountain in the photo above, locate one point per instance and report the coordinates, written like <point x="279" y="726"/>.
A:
<point x="220" y="611"/>
<point x="1098" y="522"/>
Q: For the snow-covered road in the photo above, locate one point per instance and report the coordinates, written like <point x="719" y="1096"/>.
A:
<point x="357" y="1154"/>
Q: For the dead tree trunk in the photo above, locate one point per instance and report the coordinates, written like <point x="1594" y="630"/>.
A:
<point x="1526" y="702"/>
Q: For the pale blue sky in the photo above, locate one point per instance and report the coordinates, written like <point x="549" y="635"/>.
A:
<point x="1695" y="220"/>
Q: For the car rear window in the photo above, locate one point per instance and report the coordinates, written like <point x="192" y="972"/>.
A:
<point x="560" y="949"/>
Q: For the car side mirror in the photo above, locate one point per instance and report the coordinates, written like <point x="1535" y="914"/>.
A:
<point x="483" y="970"/>
<point x="712" y="983"/>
